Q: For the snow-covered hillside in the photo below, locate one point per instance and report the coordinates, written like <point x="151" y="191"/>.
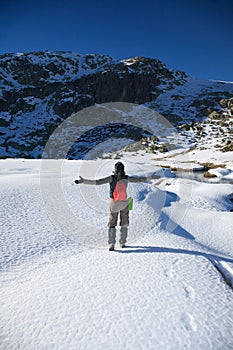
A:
<point x="39" y="90"/>
<point x="60" y="287"/>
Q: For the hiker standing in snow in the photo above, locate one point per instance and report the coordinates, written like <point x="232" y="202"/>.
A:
<point x="118" y="201"/>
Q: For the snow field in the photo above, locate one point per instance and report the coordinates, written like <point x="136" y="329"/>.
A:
<point x="60" y="288"/>
<point x="133" y="298"/>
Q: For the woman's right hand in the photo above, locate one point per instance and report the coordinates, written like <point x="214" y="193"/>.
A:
<point x="79" y="181"/>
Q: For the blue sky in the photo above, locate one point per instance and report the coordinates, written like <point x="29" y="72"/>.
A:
<point x="193" y="36"/>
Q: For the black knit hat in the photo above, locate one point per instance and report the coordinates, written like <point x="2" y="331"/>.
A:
<point x="119" y="167"/>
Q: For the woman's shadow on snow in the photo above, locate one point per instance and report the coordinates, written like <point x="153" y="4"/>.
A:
<point x="159" y="200"/>
<point x="151" y="249"/>
<point x="162" y="199"/>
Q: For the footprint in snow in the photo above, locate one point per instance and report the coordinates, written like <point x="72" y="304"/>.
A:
<point x="188" y="322"/>
<point x="189" y="292"/>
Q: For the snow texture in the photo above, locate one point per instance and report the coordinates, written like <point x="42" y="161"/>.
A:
<point x="60" y="287"/>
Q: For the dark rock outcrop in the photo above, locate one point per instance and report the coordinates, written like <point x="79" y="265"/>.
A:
<point x="39" y="90"/>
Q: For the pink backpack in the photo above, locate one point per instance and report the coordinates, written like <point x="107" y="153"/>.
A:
<point x="120" y="193"/>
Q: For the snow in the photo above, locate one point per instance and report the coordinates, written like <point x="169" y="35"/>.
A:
<point x="192" y="89"/>
<point x="60" y="287"/>
<point x="224" y="173"/>
<point x="75" y="65"/>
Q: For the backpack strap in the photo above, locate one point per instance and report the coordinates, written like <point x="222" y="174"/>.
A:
<point x="112" y="184"/>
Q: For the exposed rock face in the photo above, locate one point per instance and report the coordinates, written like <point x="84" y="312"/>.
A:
<point x="39" y="90"/>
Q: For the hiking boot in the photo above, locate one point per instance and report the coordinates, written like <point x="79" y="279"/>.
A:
<point x="111" y="247"/>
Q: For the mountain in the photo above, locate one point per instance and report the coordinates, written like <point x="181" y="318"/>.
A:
<point x="40" y="90"/>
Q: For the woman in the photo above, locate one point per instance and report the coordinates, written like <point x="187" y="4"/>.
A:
<point x="118" y="201"/>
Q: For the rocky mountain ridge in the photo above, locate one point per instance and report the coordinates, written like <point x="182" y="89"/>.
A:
<point x="40" y="90"/>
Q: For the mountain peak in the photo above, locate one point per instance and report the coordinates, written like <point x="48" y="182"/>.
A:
<point x="38" y="90"/>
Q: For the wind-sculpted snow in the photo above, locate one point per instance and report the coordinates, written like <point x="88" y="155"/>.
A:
<point x="62" y="289"/>
<point x="127" y="300"/>
<point x="24" y="233"/>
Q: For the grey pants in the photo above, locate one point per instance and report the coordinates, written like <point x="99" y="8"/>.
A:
<point x="112" y="235"/>
<point x="116" y="208"/>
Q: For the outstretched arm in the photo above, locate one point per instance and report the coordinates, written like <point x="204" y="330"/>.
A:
<point x="143" y="178"/>
<point x="102" y="181"/>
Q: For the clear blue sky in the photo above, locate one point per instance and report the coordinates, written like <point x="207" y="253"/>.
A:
<point x="195" y="36"/>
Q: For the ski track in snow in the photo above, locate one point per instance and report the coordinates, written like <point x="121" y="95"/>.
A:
<point x="161" y="292"/>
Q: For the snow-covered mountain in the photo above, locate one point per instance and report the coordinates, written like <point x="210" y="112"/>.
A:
<point x="171" y="286"/>
<point x="39" y="90"/>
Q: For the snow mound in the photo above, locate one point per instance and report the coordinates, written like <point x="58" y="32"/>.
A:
<point x="222" y="173"/>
